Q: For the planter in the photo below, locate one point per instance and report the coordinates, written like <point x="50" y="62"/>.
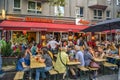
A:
<point x="9" y="60"/>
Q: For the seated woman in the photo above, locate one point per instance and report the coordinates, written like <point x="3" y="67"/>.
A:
<point x="111" y="51"/>
<point x="100" y="52"/>
<point x="61" y="61"/>
<point x="21" y="66"/>
<point x="113" y="48"/>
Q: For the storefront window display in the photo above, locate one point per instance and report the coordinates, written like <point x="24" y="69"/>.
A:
<point x="19" y="38"/>
<point x="65" y="36"/>
<point x="23" y="37"/>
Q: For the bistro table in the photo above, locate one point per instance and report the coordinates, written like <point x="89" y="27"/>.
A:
<point x="35" y="64"/>
<point x="117" y="58"/>
<point x="99" y="59"/>
<point x="71" y="64"/>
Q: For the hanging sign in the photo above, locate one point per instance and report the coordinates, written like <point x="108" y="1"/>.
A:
<point x="82" y="22"/>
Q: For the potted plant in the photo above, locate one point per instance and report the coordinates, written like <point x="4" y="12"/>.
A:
<point x="7" y="57"/>
<point x="6" y="49"/>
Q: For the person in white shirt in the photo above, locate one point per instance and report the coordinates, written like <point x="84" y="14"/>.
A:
<point x="52" y="45"/>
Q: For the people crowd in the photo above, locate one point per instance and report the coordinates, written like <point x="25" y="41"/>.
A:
<point x="83" y="52"/>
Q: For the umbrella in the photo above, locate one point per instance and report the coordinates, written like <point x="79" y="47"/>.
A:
<point x="103" y="26"/>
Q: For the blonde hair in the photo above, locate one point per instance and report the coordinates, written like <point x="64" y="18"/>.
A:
<point x="113" y="47"/>
<point x="63" y="49"/>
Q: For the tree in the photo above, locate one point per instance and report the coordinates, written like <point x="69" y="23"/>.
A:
<point x="57" y="2"/>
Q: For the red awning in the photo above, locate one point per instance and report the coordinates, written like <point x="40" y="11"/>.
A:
<point x="35" y="26"/>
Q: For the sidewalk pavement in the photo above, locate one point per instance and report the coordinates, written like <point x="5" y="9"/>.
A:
<point x="104" y="77"/>
<point x="10" y="76"/>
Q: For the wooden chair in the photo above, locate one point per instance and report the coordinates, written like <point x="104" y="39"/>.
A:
<point x="19" y="75"/>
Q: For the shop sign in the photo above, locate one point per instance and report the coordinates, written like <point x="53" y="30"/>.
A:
<point x="82" y="22"/>
<point x="15" y="18"/>
<point x="42" y="20"/>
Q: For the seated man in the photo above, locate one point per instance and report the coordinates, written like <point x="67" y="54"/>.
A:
<point x="79" y="56"/>
<point x="43" y="57"/>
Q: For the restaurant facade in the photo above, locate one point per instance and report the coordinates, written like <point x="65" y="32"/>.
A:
<point x="40" y="20"/>
<point x="39" y="29"/>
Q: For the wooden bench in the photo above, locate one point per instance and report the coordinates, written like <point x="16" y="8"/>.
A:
<point x="8" y="68"/>
<point x="92" y="69"/>
<point x="19" y="75"/>
<point x="84" y="69"/>
<point x="55" y="73"/>
<point x="107" y="64"/>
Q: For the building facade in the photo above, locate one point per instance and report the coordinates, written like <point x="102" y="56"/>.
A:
<point x="90" y="10"/>
<point x="86" y="9"/>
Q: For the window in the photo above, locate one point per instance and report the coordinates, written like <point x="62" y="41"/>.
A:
<point x="39" y="8"/>
<point x="17" y="5"/>
<point x="108" y="15"/>
<point x="59" y="10"/>
<point x="98" y="14"/>
<point x="118" y="2"/>
<point x="109" y="2"/>
<point x="118" y="14"/>
<point x="34" y="7"/>
<point x="79" y="12"/>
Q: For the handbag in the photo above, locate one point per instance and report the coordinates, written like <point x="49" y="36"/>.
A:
<point x="94" y="65"/>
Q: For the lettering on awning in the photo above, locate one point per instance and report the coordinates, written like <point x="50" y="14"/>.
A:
<point x="42" y="20"/>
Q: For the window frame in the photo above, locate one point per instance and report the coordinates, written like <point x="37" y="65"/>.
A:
<point x="108" y="17"/>
<point x="97" y="14"/>
<point x="78" y="12"/>
<point x="35" y="10"/>
<point x="56" y="13"/>
<point x="118" y="2"/>
<point x="16" y="7"/>
<point x="118" y="14"/>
